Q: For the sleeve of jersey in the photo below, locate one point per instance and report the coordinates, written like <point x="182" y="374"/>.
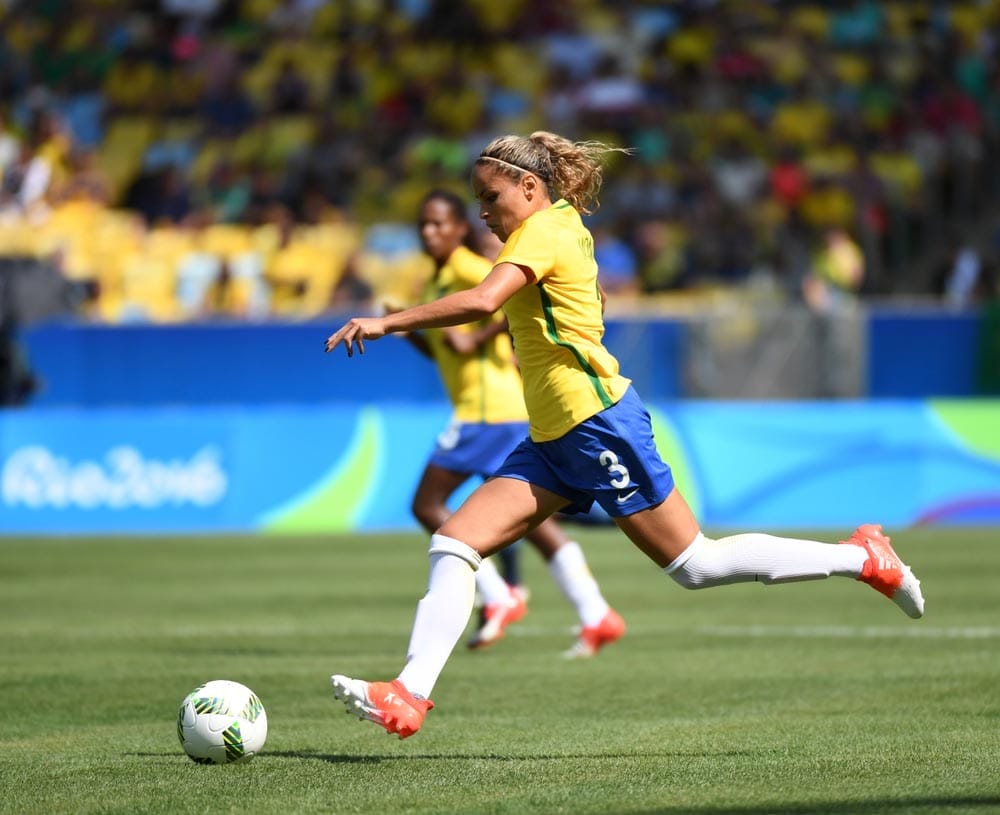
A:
<point x="531" y="247"/>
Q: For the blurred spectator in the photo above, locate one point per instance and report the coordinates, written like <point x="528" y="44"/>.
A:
<point x="967" y="277"/>
<point x="610" y="97"/>
<point x="133" y="82"/>
<point x="788" y="180"/>
<point x="226" y="108"/>
<point x="617" y="266"/>
<point x="964" y="283"/>
<point x="191" y="8"/>
<point x="10" y="146"/>
<point x="754" y="124"/>
<point x="160" y="195"/>
<point x="227" y="192"/>
<point x="351" y="292"/>
<point x="836" y="273"/>
<point x="738" y="174"/>
<point x="662" y="250"/>
<point x="224" y="297"/>
<point x="293" y="16"/>
<point x="289" y="91"/>
<point x="85" y="178"/>
<point x="25" y="183"/>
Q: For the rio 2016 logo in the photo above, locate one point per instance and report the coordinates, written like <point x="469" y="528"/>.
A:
<point x="36" y="478"/>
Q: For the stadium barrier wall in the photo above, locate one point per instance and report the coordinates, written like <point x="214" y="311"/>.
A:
<point x="907" y="355"/>
<point x="211" y="364"/>
<point x="337" y="468"/>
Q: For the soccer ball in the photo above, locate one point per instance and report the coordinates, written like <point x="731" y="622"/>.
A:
<point x="221" y="722"/>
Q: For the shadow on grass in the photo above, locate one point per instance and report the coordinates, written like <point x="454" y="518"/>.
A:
<point x="877" y="806"/>
<point x="347" y="759"/>
<point x="330" y="758"/>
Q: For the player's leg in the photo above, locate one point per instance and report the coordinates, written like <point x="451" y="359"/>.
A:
<point x="509" y="561"/>
<point x="510" y="564"/>
<point x="430" y="499"/>
<point x="499" y="512"/>
<point x="616" y="452"/>
<point x="600" y="625"/>
<point x="669" y="534"/>
<point x="430" y="507"/>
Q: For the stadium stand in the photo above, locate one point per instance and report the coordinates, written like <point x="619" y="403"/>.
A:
<point x="246" y="159"/>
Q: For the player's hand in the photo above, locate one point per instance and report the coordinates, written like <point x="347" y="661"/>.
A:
<point x="355" y="332"/>
<point x="461" y="342"/>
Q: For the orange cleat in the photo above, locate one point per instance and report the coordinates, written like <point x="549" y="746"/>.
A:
<point x="885" y="572"/>
<point x="388" y="704"/>
<point x="496" y="618"/>
<point x="593" y="638"/>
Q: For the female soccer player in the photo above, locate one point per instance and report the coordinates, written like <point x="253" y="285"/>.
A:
<point x="477" y="366"/>
<point x="590" y="436"/>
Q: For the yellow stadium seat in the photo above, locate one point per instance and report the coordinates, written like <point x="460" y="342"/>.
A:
<point x="227" y="241"/>
<point x="148" y="288"/>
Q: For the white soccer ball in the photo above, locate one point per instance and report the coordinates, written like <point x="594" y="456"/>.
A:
<point x="221" y="722"/>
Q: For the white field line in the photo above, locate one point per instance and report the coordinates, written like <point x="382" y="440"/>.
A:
<point x="913" y="631"/>
<point x="313" y="628"/>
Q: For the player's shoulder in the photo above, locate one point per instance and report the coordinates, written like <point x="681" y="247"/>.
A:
<point x="562" y="220"/>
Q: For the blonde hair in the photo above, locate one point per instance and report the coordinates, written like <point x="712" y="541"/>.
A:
<point x="573" y="170"/>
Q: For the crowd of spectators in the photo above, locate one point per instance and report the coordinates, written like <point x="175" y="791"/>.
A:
<point x="257" y="158"/>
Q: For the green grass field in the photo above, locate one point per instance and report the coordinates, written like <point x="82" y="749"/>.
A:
<point x="745" y="700"/>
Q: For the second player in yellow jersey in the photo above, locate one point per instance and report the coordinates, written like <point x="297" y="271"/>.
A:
<point x="483" y="385"/>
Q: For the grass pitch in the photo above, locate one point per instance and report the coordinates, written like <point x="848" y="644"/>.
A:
<point x="745" y="700"/>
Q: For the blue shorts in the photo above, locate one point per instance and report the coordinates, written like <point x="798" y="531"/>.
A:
<point x="610" y="458"/>
<point x="476" y="449"/>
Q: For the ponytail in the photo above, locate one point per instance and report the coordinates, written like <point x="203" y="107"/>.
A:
<point x="571" y="170"/>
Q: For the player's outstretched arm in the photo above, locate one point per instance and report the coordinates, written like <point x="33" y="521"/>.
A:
<point x="455" y="309"/>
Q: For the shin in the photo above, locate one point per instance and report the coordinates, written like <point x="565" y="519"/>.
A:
<point x="442" y="614"/>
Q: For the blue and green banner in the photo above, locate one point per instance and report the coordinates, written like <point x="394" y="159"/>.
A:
<point x="333" y="468"/>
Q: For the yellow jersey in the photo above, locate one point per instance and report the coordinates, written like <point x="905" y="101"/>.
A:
<point x="558" y="325"/>
<point x="484" y="386"/>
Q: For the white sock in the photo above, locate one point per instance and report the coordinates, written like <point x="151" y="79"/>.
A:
<point x="442" y="614"/>
<point x="762" y="558"/>
<point x="569" y="569"/>
<point x="492" y="587"/>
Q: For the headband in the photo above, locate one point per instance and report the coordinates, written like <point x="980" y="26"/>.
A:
<point x="514" y="166"/>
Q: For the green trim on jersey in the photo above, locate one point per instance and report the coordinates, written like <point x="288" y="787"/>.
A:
<point x="481" y="354"/>
<point x="550" y="326"/>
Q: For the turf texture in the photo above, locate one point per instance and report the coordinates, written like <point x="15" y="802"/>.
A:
<point x="809" y="698"/>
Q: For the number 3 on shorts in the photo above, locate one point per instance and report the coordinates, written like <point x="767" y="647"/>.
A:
<point x="610" y="462"/>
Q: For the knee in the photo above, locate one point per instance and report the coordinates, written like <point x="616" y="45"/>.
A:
<point x="693" y="570"/>
<point x="444" y="545"/>
<point x="689" y="579"/>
